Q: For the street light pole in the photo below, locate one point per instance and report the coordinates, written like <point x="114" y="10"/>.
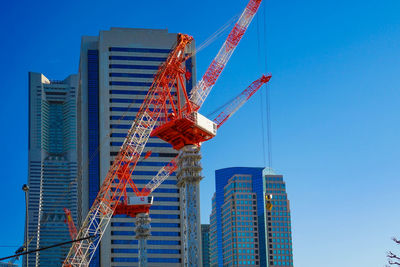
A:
<point x="25" y="188"/>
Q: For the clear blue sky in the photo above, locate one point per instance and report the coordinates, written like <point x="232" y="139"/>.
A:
<point x="335" y="97"/>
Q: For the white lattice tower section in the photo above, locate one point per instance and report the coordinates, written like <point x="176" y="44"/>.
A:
<point x="142" y="230"/>
<point x="189" y="176"/>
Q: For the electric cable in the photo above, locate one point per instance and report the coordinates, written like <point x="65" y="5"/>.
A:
<point x="44" y="248"/>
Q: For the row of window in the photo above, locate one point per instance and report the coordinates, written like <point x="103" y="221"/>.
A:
<point x="282" y="257"/>
<point x="138" y="50"/>
<point x="162" y="59"/>
<point x="125" y="109"/>
<point x="278" y="240"/>
<point x="279" y="235"/>
<point x="165" y="216"/>
<point x="131" y="224"/>
<point x="268" y="185"/>
<point x="131" y="75"/>
<point x="125" y="100"/>
<point x="278" y="229"/>
<point x="132" y="233"/>
<point x="279" y="252"/>
<point x="278" y="218"/>
<point x="269" y="178"/>
<point x="173" y="260"/>
<point x="279" y="213"/>
<point x="127" y="92"/>
<point x="121" y="83"/>
<point x="149" y="242"/>
<point x="150" y="251"/>
<point x="281" y="263"/>
<point x="134" y="67"/>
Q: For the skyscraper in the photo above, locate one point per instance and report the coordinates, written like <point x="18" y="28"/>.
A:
<point x="279" y="239"/>
<point x="243" y="232"/>
<point x="205" y="244"/>
<point x="116" y="70"/>
<point x="52" y="165"/>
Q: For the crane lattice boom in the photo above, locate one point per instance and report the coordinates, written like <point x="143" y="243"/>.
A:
<point x="240" y="100"/>
<point x="199" y="94"/>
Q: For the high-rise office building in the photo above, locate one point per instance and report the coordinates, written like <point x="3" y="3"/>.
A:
<point x="279" y="238"/>
<point x="116" y="70"/>
<point x="243" y="232"/>
<point x="52" y="165"/>
<point x="205" y="244"/>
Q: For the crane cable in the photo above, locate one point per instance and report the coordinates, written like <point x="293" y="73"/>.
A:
<point x="267" y="109"/>
<point x="215" y="35"/>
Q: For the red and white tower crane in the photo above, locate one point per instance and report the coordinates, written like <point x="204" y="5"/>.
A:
<point x="184" y="128"/>
<point x="187" y="129"/>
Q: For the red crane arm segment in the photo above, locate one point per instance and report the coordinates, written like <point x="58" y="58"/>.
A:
<point x="200" y="92"/>
<point x="240" y="100"/>
<point x="70" y="222"/>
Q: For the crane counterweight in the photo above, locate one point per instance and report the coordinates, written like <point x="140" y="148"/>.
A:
<point x="193" y="128"/>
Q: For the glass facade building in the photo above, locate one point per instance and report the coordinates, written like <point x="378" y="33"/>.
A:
<point x="116" y="70"/>
<point x="242" y="231"/>
<point x="52" y="156"/>
<point x="205" y="244"/>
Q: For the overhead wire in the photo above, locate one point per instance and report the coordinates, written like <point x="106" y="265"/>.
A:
<point x="261" y="98"/>
<point x="213" y="37"/>
<point x="267" y="92"/>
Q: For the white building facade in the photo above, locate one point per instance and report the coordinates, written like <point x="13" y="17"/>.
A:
<point x="52" y="160"/>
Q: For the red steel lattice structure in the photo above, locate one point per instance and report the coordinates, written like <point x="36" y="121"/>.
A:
<point x="113" y="190"/>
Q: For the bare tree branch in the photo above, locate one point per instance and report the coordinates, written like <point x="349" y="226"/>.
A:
<point x="391" y="255"/>
<point x="393" y="263"/>
<point x="392" y="258"/>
